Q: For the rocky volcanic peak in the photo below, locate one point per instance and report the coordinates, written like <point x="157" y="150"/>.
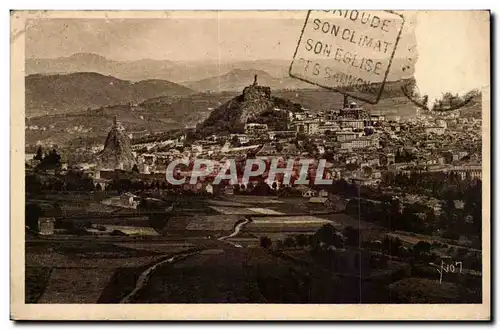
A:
<point x="232" y="116"/>
<point x="256" y="99"/>
<point x="117" y="152"/>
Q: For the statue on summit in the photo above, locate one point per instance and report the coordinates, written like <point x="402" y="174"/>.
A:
<point x="254" y="90"/>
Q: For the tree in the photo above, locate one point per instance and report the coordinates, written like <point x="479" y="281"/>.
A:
<point x="352" y="166"/>
<point x="33" y="184"/>
<point x="392" y="245"/>
<point x="368" y="130"/>
<point x="121" y="185"/>
<point x="289" y="241"/>
<point x="52" y="160"/>
<point x="352" y="236"/>
<point x="39" y="154"/>
<point x="301" y="240"/>
<point x="310" y="147"/>
<point x="329" y="236"/>
<point x="32" y="214"/>
<point x="235" y="141"/>
<point x="265" y="242"/>
<point x="329" y="155"/>
<point x="367" y="171"/>
<point x="422" y="248"/>
<point x="87" y="185"/>
<point x="262" y="189"/>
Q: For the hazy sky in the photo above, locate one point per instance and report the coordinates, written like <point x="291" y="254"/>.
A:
<point x="451" y="48"/>
<point x="166" y="39"/>
<point x="177" y="36"/>
<point x="454" y="52"/>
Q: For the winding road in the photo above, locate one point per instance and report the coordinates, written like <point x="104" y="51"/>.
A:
<point x="236" y="231"/>
<point x="144" y="277"/>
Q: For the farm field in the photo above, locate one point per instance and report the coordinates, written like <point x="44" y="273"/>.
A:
<point x="214" y="267"/>
<point x="79" y="271"/>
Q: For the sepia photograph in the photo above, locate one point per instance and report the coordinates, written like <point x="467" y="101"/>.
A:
<point x="325" y="161"/>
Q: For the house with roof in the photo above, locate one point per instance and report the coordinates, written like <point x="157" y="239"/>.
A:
<point x="126" y="200"/>
<point x="306" y="191"/>
<point x="209" y="189"/>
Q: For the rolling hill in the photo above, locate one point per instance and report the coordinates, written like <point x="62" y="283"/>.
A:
<point x="152" y="116"/>
<point x="213" y="112"/>
<point x="237" y="79"/>
<point x="159" y="114"/>
<point x="53" y="94"/>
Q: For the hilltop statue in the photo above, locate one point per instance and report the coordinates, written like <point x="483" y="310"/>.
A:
<point x="255" y="91"/>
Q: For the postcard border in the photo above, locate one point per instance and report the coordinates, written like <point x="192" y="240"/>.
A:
<point x="22" y="311"/>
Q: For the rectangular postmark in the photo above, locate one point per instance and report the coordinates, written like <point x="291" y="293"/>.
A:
<point x="349" y="51"/>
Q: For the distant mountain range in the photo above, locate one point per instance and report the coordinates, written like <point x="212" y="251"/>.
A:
<point x="83" y="81"/>
<point x="189" y="73"/>
<point x="85" y="62"/>
<point x="149" y="69"/>
<point x="53" y="94"/>
<point x="237" y="79"/>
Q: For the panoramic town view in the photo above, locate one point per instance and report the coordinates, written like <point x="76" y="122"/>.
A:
<point x="120" y="209"/>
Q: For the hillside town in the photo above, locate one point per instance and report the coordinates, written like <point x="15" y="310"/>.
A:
<point x="418" y="176"/>
<point x="359" y="146"/>
<point x="194" y="158"/>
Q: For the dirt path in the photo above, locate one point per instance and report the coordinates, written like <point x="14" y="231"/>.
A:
<point x="144" y="277"/>
<point x="237" y="229"/>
